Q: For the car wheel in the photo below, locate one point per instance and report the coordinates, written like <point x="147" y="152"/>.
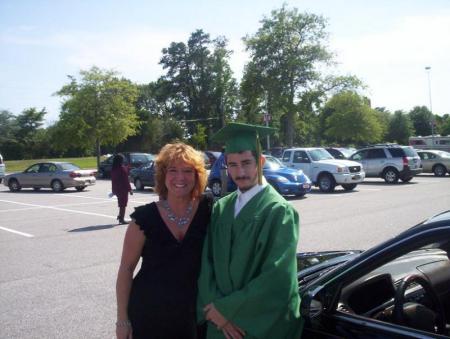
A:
<point x="14" y="185"/>
<point x="390" y="175"/>
<point x="80" y="188"/>
<point x="349" y="187"/>
<point x="57" y="186"/>
<point x="439" y="171"/>
<point x="327" y="183"/>
<point x="408" y="179"/>
<point x="101" y="174"/>
<point x="138" y="184"/>
<point x="216" y="188"/>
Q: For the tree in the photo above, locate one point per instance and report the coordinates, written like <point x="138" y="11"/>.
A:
<point x="29" y="125"/>
<point x="99" y="109"/>
<point x="284" y="54"/>
<point x="421" y="119"/>
<point x="351" y="120"/>
<point x="9" y="145"/>
<point x="400" y="128"/>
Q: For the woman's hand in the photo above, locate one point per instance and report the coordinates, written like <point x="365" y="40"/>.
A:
<point x="124" y="332"/>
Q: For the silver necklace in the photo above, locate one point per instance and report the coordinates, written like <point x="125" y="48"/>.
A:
<point x="179" y="221"/>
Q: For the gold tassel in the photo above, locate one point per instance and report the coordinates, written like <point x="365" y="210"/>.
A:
<point x="258" y="160"/>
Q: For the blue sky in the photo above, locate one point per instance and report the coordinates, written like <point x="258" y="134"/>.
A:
<point x="387" y="44"/>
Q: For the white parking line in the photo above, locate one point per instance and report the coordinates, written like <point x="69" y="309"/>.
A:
<point x="16" y="232"/>
<point x="60" y="209"/>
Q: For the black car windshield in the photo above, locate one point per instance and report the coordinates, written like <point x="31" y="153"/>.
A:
<point x="67" y="166"/>
<point x="318" y="154"/>
<point x="272" y="163"/>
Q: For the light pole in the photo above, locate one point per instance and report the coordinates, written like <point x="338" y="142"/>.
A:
<point x="428" y="69"/>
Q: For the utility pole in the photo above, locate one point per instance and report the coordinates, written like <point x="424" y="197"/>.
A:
<point x="428" y="69"/>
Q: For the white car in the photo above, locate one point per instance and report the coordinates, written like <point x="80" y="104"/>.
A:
<point x="324" y="171"/>
<point x="2" y="168"/>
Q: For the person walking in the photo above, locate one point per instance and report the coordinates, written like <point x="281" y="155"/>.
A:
<point x="160" y="302"/>
<point x="120" y="186"/>
<point x="248" y="281"/>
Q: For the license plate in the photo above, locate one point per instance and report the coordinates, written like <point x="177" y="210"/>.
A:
<point x="306" y="186"/>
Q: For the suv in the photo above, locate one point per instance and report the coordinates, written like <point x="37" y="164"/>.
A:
<point x="131" y="160"/>
<point x="389" y="161"/>
<point x="324" y="170"/>
<point x="2" y="168"/>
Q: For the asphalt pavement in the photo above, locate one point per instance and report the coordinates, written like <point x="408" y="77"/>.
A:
<point x="59" y="252"/>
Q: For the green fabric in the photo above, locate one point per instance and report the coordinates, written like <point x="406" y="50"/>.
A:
<point x="249" y="267"/>
<point x="239" y="137"/>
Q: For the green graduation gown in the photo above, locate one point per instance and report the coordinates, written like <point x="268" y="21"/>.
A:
<point x="249" y="268"/>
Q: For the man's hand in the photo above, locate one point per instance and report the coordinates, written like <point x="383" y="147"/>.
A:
<point x="230" y="330"/>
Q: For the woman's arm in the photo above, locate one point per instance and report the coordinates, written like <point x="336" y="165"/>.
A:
<point x="132" y="249"/>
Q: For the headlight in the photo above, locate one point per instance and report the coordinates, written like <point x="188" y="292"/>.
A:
<point x="343" y="169"/>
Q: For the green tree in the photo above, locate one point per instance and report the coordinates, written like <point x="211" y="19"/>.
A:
<point x="28" y="125"/>
<point x="421" y="118"/>
<point x="99" y="109"/>
<point x="400" y="128"/>
<point x="351" y="120"/>
<point x="444" y="125"/>
<point x="9" y="145"/>
<point x="285" y="52"/>
<point x="384" y="117"/>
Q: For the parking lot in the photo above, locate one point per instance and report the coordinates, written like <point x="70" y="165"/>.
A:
<point x="59" y="253"/>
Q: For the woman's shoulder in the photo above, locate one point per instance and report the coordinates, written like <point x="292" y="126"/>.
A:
<point x="143" y="214"/>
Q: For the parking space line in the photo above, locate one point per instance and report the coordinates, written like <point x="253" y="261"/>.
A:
<point x="16" y="232"/>
<point x="60" y="209"/>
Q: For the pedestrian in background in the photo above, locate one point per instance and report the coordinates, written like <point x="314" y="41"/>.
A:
<point x="120" y="185"/>
<point x="168" y="234"/>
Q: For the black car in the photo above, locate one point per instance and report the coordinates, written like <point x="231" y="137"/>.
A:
<point x="143" y="176"/>
<point x="397" y="289"/>
<point x="131" y="160"/>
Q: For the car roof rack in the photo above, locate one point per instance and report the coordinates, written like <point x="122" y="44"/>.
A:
<point x="387" y="144"/>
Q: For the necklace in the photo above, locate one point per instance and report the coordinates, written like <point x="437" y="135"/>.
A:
<point x="179" y="221"/>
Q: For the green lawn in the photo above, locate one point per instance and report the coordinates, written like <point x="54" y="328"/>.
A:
<point x="20" y="165"/>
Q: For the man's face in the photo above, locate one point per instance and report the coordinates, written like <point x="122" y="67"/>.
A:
<point x="242" y="169"/>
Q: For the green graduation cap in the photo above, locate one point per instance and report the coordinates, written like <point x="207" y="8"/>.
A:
<point x="239" y="137"/>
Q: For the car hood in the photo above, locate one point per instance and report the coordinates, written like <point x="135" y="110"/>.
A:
<point x="284" y="171"/>
<point x="311" y="265"/>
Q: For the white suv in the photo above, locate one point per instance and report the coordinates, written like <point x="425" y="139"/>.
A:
<point x="324" y="170"/>
<point x="2" y="168"/>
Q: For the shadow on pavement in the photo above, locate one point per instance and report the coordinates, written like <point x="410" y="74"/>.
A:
<point x="93" y="228"/>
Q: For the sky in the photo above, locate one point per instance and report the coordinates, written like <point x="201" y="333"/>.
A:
<point x="385" y="43"/>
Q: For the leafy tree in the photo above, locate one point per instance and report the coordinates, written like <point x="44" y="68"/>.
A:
<point x="421" y="119"/>
<point x="384" y="118"/>
<point x="28" y="125"/>
<point x="351" y="120"/>
<point x="284" y="54"/>
<point x="99" y="109"/>
<point x="199" y="85"/>
<point x="444" y="124"/>
<point x="400" y="128"/>
<point x="9" y="145"/>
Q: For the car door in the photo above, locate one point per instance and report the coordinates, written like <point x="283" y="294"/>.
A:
<point x="301" y="160"/>
<point x="427" y="159"/>
<point x="375" y="161"/>
<point x="362" y="158"/>
<point x="29" y="176"/>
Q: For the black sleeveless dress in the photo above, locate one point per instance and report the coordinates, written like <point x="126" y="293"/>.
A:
<point x="163" y="296"/>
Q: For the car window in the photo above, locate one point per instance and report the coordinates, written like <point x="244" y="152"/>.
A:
<point x="423" y="155"/>
<point x="52" y="168"/>
<point x="396" y="152"/>
<point x="358" y="156"/>
<point x="335" y="153"/>
<point x="44" y="168"/>
<point x="320" y="154"/>
<point x="376" y="153"/>
<point x="300" y="157"/>
<point x="287" y="156"/>
<point x="33" y="169"/>
<point x="67" y="166"/>
<point x="409" y="151"/>
<point x="140" y="158"/>
<point x="272" y="163"/>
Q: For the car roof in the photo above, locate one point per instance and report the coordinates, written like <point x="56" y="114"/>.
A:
<point x="303" y="148"/>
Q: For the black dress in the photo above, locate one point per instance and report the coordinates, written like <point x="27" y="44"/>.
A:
<point x="163" y="296"/>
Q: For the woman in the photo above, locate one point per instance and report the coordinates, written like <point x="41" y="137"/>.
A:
<point x="160" y="301"/>
<point x="120" y="185"/>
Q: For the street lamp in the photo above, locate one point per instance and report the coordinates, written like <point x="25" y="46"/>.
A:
<point x="428" y="69"/>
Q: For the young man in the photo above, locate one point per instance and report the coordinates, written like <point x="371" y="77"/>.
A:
<point x="248" y="281"/>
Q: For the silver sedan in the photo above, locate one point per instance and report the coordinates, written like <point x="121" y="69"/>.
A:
<point x="434" y="161"/>
<point x="54" y="175"/>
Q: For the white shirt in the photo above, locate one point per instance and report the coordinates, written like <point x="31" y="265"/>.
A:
<point x="244" y="197"/>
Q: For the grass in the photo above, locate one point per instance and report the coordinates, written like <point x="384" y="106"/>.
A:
<point x="21" y="165"/>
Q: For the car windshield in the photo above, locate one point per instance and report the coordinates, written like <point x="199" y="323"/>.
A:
<point x="347" y="152"/>
<point x="272" y="163"/>
<point x="409" y="151"/>
<point x="67" y="166"/>
<point x="319" y="154"/>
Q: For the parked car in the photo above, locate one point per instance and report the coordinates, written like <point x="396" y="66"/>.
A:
<point x="434" y="161"/>
<point x="131" y="160"/>
<point x="286" y="181"/>
<point x="397" y="289"/>
<point x="324" y="171"/>
<point x="210" y="158"/>
<point x="389" y="162"/>
<point x="2" y="169"/>
<point x="143" y="176"/>
<point x="55" y="175"/>
<point x="340" y="152"/>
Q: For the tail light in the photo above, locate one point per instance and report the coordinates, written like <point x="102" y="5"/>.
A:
<point x="74" y="174"/>
<point x="405" y="162"/>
